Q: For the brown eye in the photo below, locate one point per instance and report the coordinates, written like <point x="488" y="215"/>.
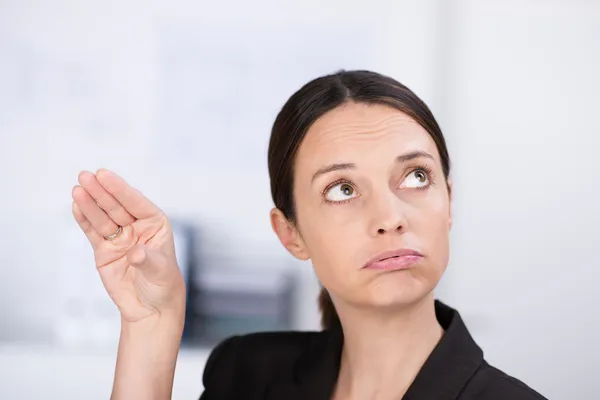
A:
<point x="416" y="179"/>
<point x="347" y="189"/>
<point x="420" y="175"/>
<point x="340" y="192"/>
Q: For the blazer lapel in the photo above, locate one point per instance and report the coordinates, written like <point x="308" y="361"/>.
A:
<point x="452" y="363"/>
<point x="316" y="371"/>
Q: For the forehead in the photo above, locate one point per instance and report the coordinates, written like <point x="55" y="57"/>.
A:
<point x="356" y="131"/>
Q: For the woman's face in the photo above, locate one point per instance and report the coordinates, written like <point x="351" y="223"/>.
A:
<point x="368" y="180"/>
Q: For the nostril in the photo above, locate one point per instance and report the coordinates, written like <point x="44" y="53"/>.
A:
<point x="381" y="231"/>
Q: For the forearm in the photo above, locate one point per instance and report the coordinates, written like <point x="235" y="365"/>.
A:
<point x="147" y="356"/>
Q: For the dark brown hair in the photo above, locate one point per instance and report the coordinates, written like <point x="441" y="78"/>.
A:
<point x="312" y="101"/>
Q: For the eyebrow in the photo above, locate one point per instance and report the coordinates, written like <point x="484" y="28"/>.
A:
<point x="345" y="166"/>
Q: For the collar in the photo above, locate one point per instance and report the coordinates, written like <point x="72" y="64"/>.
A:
<point x="452" y="363"/>
<point x="443" y="376"/>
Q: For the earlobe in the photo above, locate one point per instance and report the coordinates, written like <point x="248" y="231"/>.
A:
<point x="288" y="235"/>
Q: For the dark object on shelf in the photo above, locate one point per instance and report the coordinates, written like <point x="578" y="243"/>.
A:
<point x="228" y="301"/>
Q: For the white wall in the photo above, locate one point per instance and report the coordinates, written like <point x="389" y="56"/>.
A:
<point x="91" y="84"/>
<point x="514" y="84"/>
<point x="522" y="120"/>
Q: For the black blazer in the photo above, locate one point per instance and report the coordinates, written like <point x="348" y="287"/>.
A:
<point x="305" y="366"/>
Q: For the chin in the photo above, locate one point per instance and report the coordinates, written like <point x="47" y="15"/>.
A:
<point x="395" y="302"/>
<point x="390" y="293"/>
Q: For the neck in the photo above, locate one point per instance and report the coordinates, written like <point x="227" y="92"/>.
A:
<point x="384" y="351"/>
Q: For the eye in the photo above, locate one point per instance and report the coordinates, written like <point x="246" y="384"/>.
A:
<point x="340" y="192"/>
<point x="419" y="179"/>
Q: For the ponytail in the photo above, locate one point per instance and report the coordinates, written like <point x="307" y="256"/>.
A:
<point x="329" y="317"/>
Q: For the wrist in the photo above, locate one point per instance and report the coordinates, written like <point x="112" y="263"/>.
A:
<point x="147" y="355"/>
<point x="157" y="325"/>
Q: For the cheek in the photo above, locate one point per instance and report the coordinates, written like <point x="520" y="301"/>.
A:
<point x="331" y="240"/>
<point x="326" y="228"/>
<point x="433" y="230"/>
<point x="330" y="243"/>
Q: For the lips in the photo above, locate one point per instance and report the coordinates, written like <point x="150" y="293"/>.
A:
<point x="407" y="254"/>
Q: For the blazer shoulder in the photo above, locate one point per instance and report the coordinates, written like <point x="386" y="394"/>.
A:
<point x="286" y="341"/>
<point x="220" y="369"/>
<point x="253" y="358"/>
<point x="500" y="385"/>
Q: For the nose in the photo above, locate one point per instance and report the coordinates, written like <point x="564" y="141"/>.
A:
<point x="388" y="215"/>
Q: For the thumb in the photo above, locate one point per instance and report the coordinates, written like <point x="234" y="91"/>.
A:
<point x="150" y="263"/>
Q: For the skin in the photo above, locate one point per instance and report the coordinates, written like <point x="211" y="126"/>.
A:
<point x="387" y="316"/>
<point x="140" y="273"/>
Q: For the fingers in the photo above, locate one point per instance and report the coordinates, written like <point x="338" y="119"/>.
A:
<point x="98" y="219"/>
<point x="105" y="200"/>
<point x="86" y="225"/>
<point x="134" y="202"/>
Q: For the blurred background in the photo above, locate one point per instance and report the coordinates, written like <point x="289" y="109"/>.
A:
<point x="178" y="97"/>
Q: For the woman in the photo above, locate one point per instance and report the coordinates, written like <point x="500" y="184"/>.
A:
<point x="360" y="180"/>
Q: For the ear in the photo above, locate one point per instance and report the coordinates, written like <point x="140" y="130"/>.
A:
<point x="450" y="203"/>
<point x="288" y="235"/>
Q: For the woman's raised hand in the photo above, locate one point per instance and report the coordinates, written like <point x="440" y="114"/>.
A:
<point x="133" y="245"/>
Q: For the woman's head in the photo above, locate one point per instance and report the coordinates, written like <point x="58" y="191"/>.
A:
<point x="359" y="166"/>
